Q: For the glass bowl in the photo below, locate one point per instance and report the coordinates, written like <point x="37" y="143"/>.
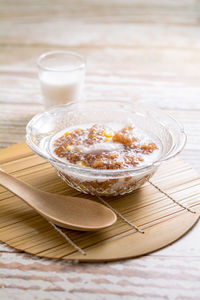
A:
<point x="44" y="126"/>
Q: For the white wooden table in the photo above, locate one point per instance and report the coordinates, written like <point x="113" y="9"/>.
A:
<point x="146" y="51"/>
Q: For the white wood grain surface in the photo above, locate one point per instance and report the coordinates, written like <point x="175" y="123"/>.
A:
<point x="146" y="51"/>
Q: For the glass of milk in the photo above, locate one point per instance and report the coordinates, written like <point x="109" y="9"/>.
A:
<point x="61" y="75"/>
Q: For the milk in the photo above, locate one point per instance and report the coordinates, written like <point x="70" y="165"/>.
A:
<point x="60" y="88"/>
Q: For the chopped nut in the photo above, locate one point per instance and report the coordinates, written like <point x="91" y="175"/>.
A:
<point x="149" y="147"/>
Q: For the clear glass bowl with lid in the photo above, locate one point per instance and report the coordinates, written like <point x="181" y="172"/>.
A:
<point x="45" y="125"/>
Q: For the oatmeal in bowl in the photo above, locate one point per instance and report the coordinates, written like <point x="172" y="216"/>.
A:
<point x="103" y="151"/>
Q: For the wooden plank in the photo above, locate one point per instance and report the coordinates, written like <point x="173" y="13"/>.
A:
<point x="138" y="278"/>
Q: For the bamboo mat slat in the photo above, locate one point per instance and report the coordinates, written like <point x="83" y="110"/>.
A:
<point x="162" y="220"/>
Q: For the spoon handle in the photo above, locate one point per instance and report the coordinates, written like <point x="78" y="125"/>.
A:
<point x="17" y="187"/>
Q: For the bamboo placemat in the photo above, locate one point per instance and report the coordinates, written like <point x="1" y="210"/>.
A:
<point x="164" y="209"/>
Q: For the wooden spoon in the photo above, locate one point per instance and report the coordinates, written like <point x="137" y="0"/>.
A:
<point x="65" y="211"/>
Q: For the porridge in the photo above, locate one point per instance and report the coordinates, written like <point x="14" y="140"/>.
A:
<point x="105" y="147"/>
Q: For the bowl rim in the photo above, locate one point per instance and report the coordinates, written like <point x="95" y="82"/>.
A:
<point x="101" y="172"/>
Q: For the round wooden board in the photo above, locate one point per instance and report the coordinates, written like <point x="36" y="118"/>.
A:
<point x="162" y="220"/>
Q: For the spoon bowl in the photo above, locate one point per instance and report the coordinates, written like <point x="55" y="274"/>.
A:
<point x="65" y="211"/>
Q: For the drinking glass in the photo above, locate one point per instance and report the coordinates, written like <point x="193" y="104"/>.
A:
<point x="61" y="75"/>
